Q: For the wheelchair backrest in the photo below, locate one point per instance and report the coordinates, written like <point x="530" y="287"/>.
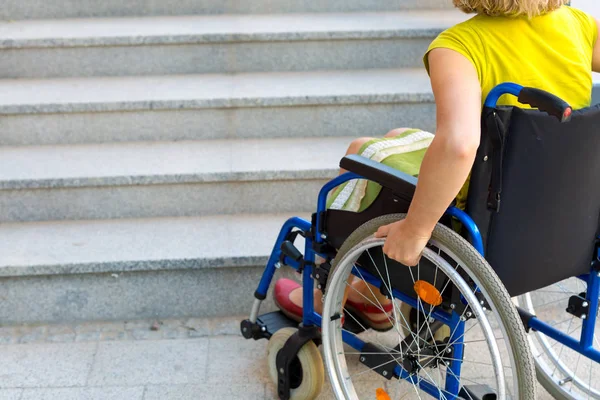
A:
<point x="543" y="224"/>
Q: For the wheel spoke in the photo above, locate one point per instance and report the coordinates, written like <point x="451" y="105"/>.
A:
<point x="564" y="368"/>
<point x="415" y="385"/>
<point x="363" y="327"/>
<point x="418" y="332"/>
<point x="431" y="308"/>
<point x="590" y="381"/>
<point x="430" y="379"/>
<point x="473" y="362"/>
<point x="389" y="289"/>
<point x="562" y="348"/>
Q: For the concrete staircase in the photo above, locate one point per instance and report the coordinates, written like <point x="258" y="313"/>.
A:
<point x="150" y="150"/>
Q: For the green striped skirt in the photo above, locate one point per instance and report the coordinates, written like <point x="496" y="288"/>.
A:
<point x="404" y="152"/>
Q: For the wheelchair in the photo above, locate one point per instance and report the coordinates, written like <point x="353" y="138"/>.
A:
<point x="506" y="290"/>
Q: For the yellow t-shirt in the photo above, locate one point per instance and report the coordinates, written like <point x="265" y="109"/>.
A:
<point x="552" y="52"/>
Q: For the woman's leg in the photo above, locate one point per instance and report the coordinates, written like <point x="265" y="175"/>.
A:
<point x="396" y="132"/>
<point x="362" y="290"/>
<point x="357" y="144"/>
<point x="355" y="147"/>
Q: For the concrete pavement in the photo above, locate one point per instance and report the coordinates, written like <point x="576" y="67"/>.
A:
<point x="179" y="359"/>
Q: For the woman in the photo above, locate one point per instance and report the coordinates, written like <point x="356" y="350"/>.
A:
<point x="539" y="43"/>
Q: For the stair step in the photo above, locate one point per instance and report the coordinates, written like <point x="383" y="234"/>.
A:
<point x="16" y="9"/>
<point x="212" y="106"/>
<point x="135" y="180"/>
<point x="137" y="268"/>
<point x="155" y="163"/>
<point x="216" y="44"/>
<point x="25" y="96"/>
<point x="223" y="28"/>
<point x="133" y="245"/>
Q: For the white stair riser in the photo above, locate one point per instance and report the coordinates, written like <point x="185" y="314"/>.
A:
<point x="47" y="9"/>
<point x="198" y="124"/>
<point x="160" y="200"/>
<point x="131" y="295"/>
<point x="212" y="58"/>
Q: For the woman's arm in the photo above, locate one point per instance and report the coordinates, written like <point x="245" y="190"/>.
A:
<point x="448" y="160"/>
<point x="596" y="57"/>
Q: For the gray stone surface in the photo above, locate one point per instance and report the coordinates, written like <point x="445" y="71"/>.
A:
<point x="227" y="28"/>
<point x="33" y="335"/>
<point x="217" y="44"/>
<point x="158" y="294"/>
<point x="160" y="200"/>
<point x="116" y="246"/>
<point x="11" y="394"/>
<point x="260" y="56"/>
<point x="250" y="391"/>
<point x="10" y="334"/>
<point x="150" y="362"/>
<point x="156" y="163"/>
<point x="214" y="367"/>
<point x="15" y="9"/>
<point x="263" y="122"/>
<point x="62" y="334"/>
<point x="214" y="91"/>
<point x="46" y="365"/>
<point x="88" y="393"/>
<point x="244" y="357"/>
<point x="170" y="328"/>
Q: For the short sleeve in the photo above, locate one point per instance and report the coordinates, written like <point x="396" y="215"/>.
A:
<point x="589" y="26"/>
<point x="462" y="39"/>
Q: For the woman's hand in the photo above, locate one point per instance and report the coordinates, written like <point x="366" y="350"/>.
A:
<point x="403" y="243"/>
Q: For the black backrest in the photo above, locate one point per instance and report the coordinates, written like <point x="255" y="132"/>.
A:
<point x="549" y="215"/>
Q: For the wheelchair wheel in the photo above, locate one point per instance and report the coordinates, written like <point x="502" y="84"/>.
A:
<point x="409" y="315"/>
<point x="308" y="374"/>
<point x="564" y="373"/>
<point x="486" y="353"/>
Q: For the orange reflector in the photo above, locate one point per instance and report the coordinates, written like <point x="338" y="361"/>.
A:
<point x="382" y="395"/>
<point x="428" y="293"/>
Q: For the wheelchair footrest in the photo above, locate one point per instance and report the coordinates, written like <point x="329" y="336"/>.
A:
<point x="266" y="325"/>
<point x="477" y="392"/>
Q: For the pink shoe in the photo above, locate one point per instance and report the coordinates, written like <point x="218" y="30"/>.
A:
<point x="283" y="288"/>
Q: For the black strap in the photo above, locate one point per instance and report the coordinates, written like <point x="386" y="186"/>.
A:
<point x="496" y="130"/>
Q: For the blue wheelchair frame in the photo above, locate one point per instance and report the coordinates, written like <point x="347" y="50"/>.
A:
<point x="583" y="346"/>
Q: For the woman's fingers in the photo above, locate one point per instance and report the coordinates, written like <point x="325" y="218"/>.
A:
<point x="382" y="232"/>
<point x="405" y="256"/>
<point x="401" y="244"/>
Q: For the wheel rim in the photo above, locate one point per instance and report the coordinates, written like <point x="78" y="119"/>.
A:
<point x="335" y="355"/>
<point x="553" y="359"/>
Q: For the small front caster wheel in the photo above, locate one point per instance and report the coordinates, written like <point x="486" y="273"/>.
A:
<point x="307" y="371"/>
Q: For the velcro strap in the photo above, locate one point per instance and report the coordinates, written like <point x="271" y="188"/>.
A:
<point x="496" y="130"/>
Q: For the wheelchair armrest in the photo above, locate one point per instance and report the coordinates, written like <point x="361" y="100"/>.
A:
<point x="399" y="182"/>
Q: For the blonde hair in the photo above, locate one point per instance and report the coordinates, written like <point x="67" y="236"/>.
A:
<point x="511" y="8"/>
